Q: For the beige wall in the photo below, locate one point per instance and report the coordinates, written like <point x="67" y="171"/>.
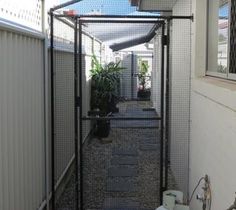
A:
<point x="213" y="127"/>
<point x="213" y="134"/>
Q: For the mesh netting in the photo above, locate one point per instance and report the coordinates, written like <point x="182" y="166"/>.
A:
<point x="127" y="67"/>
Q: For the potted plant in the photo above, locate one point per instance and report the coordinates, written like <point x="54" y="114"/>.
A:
<point x="143" y="91"/>
<point x="104" y="92"/>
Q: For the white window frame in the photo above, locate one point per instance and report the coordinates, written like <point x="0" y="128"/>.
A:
<point x="227" y="75"/>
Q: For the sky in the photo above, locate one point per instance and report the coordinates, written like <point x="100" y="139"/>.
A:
<point x="108" y="7"/>
<point x="224" y="11"/>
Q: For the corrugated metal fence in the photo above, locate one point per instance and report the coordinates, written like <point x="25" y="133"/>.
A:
<point x="22" y="140"/>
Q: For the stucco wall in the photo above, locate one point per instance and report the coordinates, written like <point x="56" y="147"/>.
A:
<point x="213" y="123"/>
<point x="213" y="134"/>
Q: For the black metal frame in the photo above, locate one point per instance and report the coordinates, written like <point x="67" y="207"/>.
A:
<point x="132" y="76"/>
<point x="52" y="110"/>
<point x="158" y="17"/>
<point x="162" y="109"/>
<point x="76" y="105"/>
<point x="80" y="114"/>
<point x="167" y="102"/>
<point x="78" y="24"/>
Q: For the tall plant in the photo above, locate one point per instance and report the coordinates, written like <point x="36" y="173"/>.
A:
<point x="105" y="80"/>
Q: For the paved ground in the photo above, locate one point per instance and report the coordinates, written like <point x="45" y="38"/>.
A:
<point x="124" y="174"/>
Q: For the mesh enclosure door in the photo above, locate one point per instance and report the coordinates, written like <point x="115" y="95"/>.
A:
<point x="121" y="115"/>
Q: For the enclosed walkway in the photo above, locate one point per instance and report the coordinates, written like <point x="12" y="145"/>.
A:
<point x="122" y="171"/>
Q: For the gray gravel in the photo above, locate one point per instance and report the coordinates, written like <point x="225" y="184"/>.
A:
<point x="97" y="163"/>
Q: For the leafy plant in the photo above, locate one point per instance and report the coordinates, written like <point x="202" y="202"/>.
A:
<point x="105" y="80"/>
<point x="142" y="76"/>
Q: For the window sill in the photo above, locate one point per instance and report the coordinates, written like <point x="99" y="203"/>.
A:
<point x="220" y="91"/>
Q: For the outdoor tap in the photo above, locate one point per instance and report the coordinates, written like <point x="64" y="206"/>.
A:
<point x="233" y="206"/>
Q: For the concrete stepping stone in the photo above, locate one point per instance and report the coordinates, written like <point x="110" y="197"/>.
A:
<point x="151" y="109"/>
<point x="149" y="141"/>
<point x="122" y="171"/>
<point x="121" y="186"/>
<point x="120" y="203"/>
<point x="149" y="147"/>
<point x="119" y="151"/>
<point x="127" y="160"/>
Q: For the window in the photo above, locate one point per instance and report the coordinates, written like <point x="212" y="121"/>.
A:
<point x="220" y="55"/>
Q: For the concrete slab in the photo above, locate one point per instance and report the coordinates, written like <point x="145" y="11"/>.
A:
<point x="149" y="147"/>
<point x="121" y="151"/>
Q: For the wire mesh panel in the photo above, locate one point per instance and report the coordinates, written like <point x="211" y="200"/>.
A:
<point x="121" y="127"/>
<point x="179" y="99"/>
<point x="63" y="153"/>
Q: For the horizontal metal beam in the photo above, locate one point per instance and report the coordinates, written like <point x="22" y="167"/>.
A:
<point x="119" y="21"/>
<point x="160" y="17"/>
<point x="122" y="118"/>
<point x="138" y="17"/>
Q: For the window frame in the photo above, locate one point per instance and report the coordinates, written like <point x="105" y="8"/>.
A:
<point x="227" y="75"/>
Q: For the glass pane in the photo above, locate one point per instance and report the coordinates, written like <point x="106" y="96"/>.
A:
<point x="218" y="36"/>
<point x="232" y="59"/>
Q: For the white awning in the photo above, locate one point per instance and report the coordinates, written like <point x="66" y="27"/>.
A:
<point x="121" y="33"/>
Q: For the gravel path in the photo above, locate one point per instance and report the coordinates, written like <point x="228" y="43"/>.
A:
<point x="124" y="172"/>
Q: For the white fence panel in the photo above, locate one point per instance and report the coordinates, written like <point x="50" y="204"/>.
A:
<point x="25" y="12"/>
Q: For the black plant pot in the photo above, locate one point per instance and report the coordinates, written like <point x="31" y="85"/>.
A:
<point x="144" y="94"/>
<point x="112" y="105"/>
<point x="103" y="128"/>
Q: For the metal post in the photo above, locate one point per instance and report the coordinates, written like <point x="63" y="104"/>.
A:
<point x="167" y="104"/>
<point x="81" y="115"/>
<point x="76" y="113"/>
<point x="52" y="112"/>
<point x="132" y="75"/>
<point x="162" y="109"/>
